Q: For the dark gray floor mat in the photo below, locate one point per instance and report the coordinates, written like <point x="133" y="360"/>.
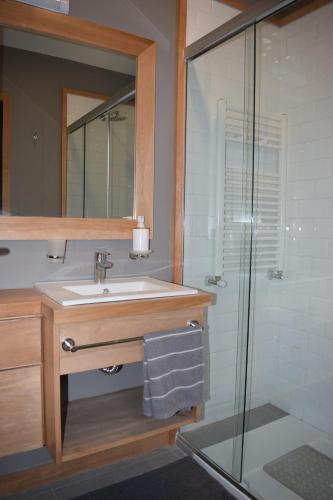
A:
<point x="181" y="480"/>
<point x="305" y="471"/>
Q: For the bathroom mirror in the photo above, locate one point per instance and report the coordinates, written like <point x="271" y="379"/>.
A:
<point x="76" y="144"/>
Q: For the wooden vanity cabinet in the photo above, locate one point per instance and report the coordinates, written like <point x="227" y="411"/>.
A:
<point x="21" y="416"/>
<point x="112" y="421"/>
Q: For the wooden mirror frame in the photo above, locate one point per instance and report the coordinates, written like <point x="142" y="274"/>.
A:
<point x="42" y="22"/>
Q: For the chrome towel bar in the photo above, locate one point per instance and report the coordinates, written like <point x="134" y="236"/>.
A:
<point x="69" y="344"/>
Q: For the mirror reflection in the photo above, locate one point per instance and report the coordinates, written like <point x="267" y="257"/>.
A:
<point x="100" y="157"/>
<point x="67" y="115"/>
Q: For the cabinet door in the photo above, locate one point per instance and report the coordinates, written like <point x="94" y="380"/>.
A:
<point x="20" y="410"/>
<point x="20" y="342"/>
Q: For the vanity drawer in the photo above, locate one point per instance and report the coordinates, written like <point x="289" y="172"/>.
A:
<point x="92" y="332"/>
<point x="20" y="410"/>
<point x="20" y="342"/>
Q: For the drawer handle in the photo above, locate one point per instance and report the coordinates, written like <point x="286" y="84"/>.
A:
<point x="69" y="344"/>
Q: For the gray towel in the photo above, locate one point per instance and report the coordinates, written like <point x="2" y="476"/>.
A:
<point x="173" y="371"/>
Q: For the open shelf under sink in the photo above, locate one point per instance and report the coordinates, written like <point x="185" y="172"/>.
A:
<point x="102" y="422"/>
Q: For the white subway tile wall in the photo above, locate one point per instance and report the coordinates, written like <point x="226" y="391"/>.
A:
<point x="302" y="379"/>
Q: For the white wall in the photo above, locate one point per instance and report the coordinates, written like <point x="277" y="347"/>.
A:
<point x="205" y="15"/>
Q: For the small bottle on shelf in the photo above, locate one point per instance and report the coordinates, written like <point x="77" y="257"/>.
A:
<point x="141" y="236"/>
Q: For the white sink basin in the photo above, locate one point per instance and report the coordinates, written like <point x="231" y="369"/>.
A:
<point x="142" y="285"/>
<point x="70" y="293"/>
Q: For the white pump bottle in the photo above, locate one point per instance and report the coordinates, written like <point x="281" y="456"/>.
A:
<point x="141" y="236"/>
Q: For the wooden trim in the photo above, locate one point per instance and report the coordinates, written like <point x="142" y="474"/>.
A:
<point x="179" y="146"/>
<point x="44" y="22"/>
<point x="237" y="4"/>
<point x="67" y="228"/>
<point x="85" y="93"/>
<point x="21" y="16"/>
<point x="145" y="132"/>
<point x="51" y="385"/>
<point x="64" y="95"/>
<point x="6" y="102"/>
<point x="90" y="312"/>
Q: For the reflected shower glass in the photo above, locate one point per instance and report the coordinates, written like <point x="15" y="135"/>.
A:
<point x="75" y="173"/>
<point x="103" y="148"/>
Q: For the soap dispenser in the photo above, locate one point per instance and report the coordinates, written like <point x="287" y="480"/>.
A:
<point x="141" y="236"/>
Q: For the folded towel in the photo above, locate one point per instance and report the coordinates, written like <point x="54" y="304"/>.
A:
<point x="173" y="371"/>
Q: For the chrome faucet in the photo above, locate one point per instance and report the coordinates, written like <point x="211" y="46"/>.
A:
<point x="101" y="265"/>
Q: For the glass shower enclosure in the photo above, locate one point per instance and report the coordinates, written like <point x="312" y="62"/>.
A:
<point x="258" y="234"/>
<point x="101" y="158"/>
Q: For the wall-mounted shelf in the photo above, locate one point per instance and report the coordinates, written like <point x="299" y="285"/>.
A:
<point x="134" y="255"/>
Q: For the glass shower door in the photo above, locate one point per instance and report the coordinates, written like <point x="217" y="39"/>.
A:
<point x="291" y="340"/>
<point x="218" y="234"/>
<point x="97" y="169"/>
<point x="75" y="173"/>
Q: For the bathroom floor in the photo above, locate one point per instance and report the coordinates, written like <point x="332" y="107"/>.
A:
<point x="100" y="478"/>
<point x="266" y="443"/>
<point x="222" y="430"/>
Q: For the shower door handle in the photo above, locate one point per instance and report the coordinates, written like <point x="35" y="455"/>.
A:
<point x="216" y="281"/>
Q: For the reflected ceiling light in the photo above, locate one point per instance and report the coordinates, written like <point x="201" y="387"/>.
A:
<point x="55" y="5"/>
